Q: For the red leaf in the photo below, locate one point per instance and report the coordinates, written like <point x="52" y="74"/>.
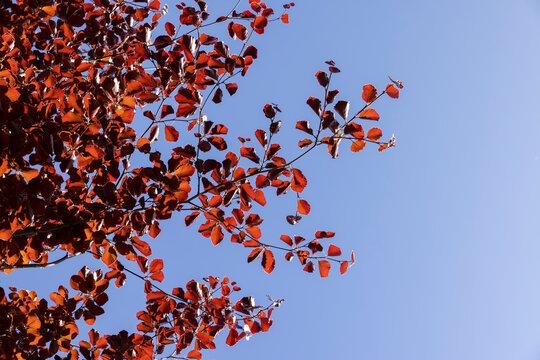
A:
<point x="217" y="235"/>
<point x="334" y="250"/>
<point x="156" y="265"/>
<point x="240" y="31"/>
<point x="324" y="268"/>
<point x="392" y="91"/>
<point x="369" y="114"/>
<point x="262" y="137"/>
<point x="324" y="234"/>
<point x="166" y="110"/>
<point x="159" y="276"/>
<point x="185" y="110"/>
<point x="254" y="254"/>
<point x="322" y="78"/>
<point x="343" y="267"/>
<point x="303" y="207"/>
<point x="259" y="24"/>
<point x="287" y="240"/>
<point x="254" y="231"/>
<point x="231" y="88"/>
<point x="154" y="229"/>
<point x="299" y="181"/>
<point x="170" y="29"/>
<point x="309" y="267"/>
<point x="342" y="108"/>
<point x="374" y="134"/>
<point x="315" y="105"/>
<point x="268" y="262"/>
<point x="232" y="338"/>
<point x="304" y="126"/>
<point x="304" y="143"/>
<point x="249" y="153"/>
<point x="369" y="94"/>
<point x="218" y="96"/>
<point x="171" y="134"/>
<point x="269" y="111"/>
<point x="285" y="18"/>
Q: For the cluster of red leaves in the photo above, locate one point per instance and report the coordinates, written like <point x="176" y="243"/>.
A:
<point x="73" y="76"/>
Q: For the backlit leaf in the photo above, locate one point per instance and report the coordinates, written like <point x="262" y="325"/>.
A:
<point x="374" y="134"/>
<point x="299" y="181"/>
<point x="369" y="114"/>
<point x="303" y="207"/>
<point x="333" y="250"/>
<point x="369" y="93"/>
<point x="324" y="268"/>
<point x="171" y="134"/>
<point x="268" y="262"/>
<point x="392" y="91"/>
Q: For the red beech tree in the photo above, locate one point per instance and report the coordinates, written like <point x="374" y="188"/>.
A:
<point x="76" y="78"/>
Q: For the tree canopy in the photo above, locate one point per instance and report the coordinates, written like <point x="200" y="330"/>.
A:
<point x="87" y="92"/>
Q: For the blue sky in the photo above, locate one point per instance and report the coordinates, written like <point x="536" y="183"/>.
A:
<point x="445" y="226"/>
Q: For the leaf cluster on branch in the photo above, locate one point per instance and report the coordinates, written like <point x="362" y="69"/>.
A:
<point x="77" y="178"/>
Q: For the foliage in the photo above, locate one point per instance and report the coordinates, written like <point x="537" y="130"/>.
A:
<point x="73" y="75"/>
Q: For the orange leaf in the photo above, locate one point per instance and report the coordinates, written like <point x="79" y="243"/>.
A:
<point x="369" y="114"/>
<point x="33" y="322"/>
<point x="286" y="239"/>
<point x="184" y="170"/>
<point x="369" y="93"/>
<point x="72" y="117"/>
<point x="392" y="91"/>
<point x="13" y="94"/>
<point x="49" y="10"/>
<point x="156" y="265"/>
<point x="194" y="354"/>
<point x="29" y="173"/>
<point x="109" y="256"/>
<point x="254" y="254"/>
<point x="299" y="181"/>
<point x="217" y="235"/>
<point x="171" y="134"/>
<point x="154" y="229"/>
<point x="254" y="231"/>
<point x="374" y="134"/>
<point x="303" y="207"/>
<point x="343" y="267"/>
<point x="324" y="268"/>
<point x="358" y="145"/>
<point x="285" y="18"/>
<point x="334" y="250"/>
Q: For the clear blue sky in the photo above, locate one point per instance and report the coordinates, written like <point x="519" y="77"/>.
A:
<point x="445" y="226"/>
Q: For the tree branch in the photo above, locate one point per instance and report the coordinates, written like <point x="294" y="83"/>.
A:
<point x="43" y="266"/>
